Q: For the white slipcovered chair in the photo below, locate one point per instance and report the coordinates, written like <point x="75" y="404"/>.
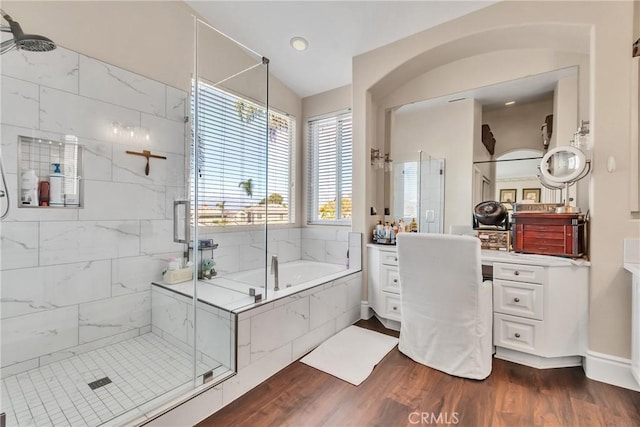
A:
<point x="446" y="308"/>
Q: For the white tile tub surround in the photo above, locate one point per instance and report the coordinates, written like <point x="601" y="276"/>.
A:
<point x="74" y="280"/>
<point x="244" y="250"/>
<point x="324" y="245"/>
<point x="355" y="251"/>
<point x="295" y="320"/>
<point x="266" y="345"/>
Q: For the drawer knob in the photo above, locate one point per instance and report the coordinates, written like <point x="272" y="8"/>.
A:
<point x="395" y="280"/>
<point x="517" y="335"/>
<point x="395" y="259"/>
<point x="516" y="299"/>
<point x="517" y="273"/>
<point x="395" y="308"/>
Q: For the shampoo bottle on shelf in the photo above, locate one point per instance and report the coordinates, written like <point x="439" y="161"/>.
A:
<point x="56" y="186"/>
<point x="29" y="188"/>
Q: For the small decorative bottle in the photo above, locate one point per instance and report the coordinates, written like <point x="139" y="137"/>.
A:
<point x="413" y="226"/>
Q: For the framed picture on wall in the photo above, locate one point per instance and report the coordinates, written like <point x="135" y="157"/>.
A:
<point x="532" y="194"/>
<point x="508" y="195"/>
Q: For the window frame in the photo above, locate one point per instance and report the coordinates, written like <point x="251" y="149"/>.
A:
<point x="313" y="204"/>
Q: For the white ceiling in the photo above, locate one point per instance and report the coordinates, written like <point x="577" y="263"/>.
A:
<point x="336" y="31"/>
<point x="528" y="89"/>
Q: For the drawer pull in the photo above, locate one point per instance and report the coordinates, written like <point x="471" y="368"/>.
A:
<point x="516" y="299"/>
<point x="395" y="259"/>
<point x="395" y="308"/>
<point x="517" y="273"/>
<point x="395" y="280"/>
<point x="517" y="335"/>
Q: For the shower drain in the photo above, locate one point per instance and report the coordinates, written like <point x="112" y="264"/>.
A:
<point x="99" y="383"/>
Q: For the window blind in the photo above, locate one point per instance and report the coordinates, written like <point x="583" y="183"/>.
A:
<point x="236" y="184"/>
<point x="330" y="169"/>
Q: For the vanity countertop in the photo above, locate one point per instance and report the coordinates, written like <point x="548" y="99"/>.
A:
<point x="490" y="256"/>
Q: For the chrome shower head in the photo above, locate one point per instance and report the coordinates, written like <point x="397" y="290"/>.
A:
<point x="22" y="41"/>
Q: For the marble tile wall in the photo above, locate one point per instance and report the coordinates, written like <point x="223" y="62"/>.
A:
<point x="78" y="279"/>
<point x="244" y="250"/>
<point x="324" y="245"/>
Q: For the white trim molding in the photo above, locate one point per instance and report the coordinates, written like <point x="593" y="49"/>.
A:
<point x="610" y="369"/>
<point x="366" y="312"/>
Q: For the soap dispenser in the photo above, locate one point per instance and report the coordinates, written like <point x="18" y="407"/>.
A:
<point x="56" y="184"/>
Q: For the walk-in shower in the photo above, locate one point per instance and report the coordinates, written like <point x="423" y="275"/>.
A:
<point x="79" y="344"/>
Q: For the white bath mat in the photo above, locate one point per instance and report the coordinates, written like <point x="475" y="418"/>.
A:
<point x="351" y="354"/>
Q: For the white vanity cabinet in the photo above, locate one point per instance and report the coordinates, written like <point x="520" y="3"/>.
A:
<point x="540" y="312"/>
<point x="384" y="284"/>
<point x="540" y="304"/>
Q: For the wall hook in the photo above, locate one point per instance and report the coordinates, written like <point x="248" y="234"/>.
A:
<point x="148" y="155"/>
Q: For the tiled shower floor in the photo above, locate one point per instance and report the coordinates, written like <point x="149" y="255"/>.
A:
<point x="58" y="394"/>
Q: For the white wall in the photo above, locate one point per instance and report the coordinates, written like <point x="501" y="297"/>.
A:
<point x="444" y="132"/>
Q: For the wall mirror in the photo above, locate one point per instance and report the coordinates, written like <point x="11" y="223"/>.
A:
<point x="418" y="192"/>
<point x="518" y="171"/>
<point x="450" y="128"/>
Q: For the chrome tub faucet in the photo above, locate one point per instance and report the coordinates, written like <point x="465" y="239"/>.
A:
<point x="274" y="271"/>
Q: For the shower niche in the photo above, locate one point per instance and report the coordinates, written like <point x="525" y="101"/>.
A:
<point x="49" y="173"/>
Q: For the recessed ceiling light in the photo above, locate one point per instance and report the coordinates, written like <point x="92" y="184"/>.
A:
<point x="299" y="43"/>
<point x="509" y="102"/>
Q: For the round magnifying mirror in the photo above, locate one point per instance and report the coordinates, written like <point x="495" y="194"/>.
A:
<point x="563" y="164"/>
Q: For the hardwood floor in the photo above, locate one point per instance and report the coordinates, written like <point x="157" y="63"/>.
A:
<point x="401" y="392"/>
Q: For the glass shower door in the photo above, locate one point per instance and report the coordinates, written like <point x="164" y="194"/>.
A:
<point x="227" y="182"/>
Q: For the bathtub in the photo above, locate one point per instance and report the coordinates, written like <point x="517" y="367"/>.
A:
<point x="293" y="273"/>
<point x="232" y="291"/>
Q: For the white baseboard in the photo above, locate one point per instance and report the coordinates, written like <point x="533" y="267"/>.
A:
<point x="366" y="312"/>
<point x="537" y="362"/>
<point x="610" y="369"/>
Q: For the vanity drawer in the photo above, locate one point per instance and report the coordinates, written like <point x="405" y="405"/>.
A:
<point x="517" y="333"/>
<point x="392" y="306"/>
<point x="518" y="298"/>
<point x="390" y="279"/>
<point x="518" y="272"/>
<point x="388" y="258"/>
